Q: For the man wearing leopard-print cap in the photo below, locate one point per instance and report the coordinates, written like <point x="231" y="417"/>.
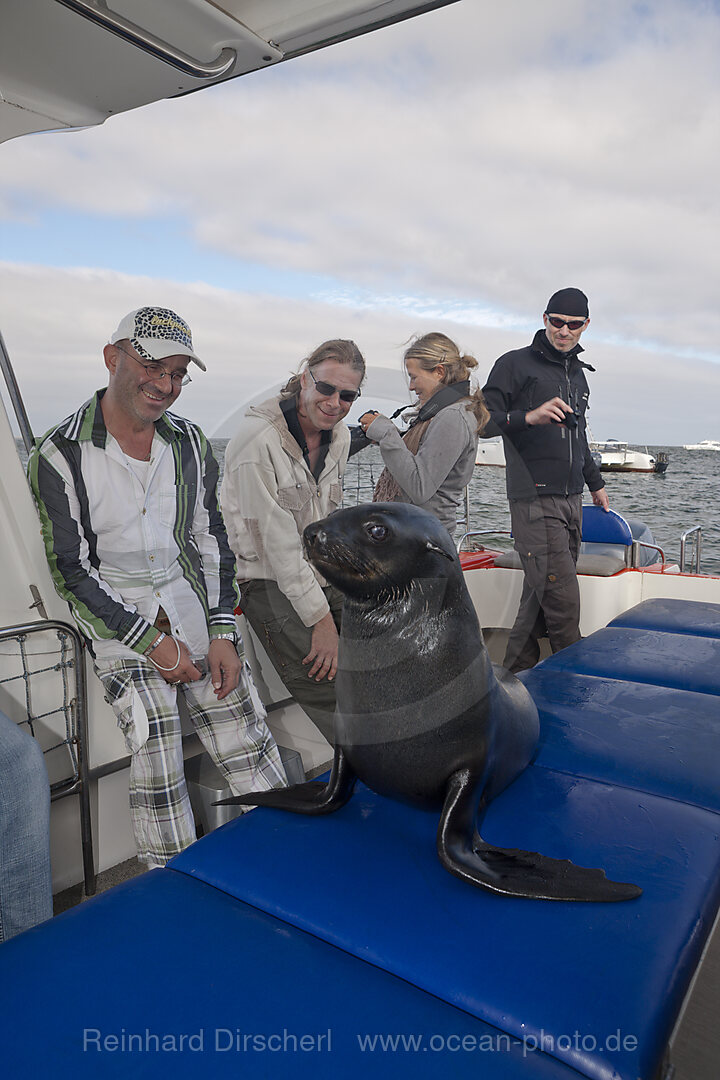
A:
<point x="127" y="496"/>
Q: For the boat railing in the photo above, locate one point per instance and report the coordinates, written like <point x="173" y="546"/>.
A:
<point x="468" y="536"/>
<point x="67" y="661"/>
<point x="635" y="557"/>
<point x="464" y="521"/>
<point x="16" y="397"/>
<point x="691" y="538"/>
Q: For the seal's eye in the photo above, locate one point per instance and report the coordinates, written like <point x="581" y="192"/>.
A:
<point x="377" y="532"/>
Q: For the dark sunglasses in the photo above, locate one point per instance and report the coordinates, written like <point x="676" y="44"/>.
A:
<point x="572" y="324"/>
<point x="327" y="390"/>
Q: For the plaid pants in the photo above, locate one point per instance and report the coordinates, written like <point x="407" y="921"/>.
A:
<point x="233" y="732"/>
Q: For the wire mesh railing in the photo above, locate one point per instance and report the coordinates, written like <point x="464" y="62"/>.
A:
<point x="44" y="687"/>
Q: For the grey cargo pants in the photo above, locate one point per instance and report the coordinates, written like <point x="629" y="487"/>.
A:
<point x="547" y="533"/>
<point x="287" y="640"/>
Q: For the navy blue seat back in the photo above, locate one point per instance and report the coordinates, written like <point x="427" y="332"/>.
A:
<point x="605" y="527"/>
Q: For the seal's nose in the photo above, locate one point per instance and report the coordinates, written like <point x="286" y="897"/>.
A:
<point x="314" y="536"/>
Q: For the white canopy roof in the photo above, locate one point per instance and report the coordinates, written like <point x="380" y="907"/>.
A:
<point x="73" y="63"/>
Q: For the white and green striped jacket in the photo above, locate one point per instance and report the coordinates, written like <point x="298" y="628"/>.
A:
<point x="117" y="551"/>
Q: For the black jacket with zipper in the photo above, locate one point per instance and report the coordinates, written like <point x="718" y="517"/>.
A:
<point x="543" y="459"/>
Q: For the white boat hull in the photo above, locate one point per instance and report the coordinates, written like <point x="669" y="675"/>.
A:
<point x="491" y="452"/>
<point x="619" y="457"/>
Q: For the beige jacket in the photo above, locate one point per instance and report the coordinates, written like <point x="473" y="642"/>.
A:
<point x="269" y="495"/>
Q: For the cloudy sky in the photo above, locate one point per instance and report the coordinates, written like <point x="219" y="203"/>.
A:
<point x="450" y="172"/>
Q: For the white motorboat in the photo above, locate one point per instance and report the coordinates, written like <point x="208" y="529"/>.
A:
<point x="706" y="444"/>
<point x="618" y="456"/>
<point x="223" y="958"/>
<point x="611" y="456"/>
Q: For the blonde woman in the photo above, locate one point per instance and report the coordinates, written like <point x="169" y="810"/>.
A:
<point x="431" y="464"/>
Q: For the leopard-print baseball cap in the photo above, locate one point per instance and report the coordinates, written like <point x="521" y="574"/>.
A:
<point x="156" y="333"/>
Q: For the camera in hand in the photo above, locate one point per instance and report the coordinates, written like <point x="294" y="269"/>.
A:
<point x="570" y="421"/>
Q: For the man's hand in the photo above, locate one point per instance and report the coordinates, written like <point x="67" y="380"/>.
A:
<point x="600" y="498"/>
<point x="323" y="650"/>
<point x="225" y="666"/>
<point x="166" y="656"/>
<point x="550" y="412"/>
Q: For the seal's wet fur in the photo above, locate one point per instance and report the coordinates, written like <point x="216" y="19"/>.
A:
<point x="422" y="716"/>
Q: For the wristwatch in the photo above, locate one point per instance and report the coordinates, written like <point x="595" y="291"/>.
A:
<point x="230" y="635"/>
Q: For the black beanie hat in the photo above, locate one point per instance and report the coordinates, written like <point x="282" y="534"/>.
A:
<point x="569" y="302"/>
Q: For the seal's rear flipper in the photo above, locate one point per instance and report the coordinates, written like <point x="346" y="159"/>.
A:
<point x="525" y="873"/>
<point x="314" y="797"/>
<point x="509" y="871"/>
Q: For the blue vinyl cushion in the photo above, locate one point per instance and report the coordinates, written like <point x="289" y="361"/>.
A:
<point x="675" y="616"/>
<point x="605" y="527"/>
<point x="167" y="955"/>
<point x="653" y="738"/>
<point x="366" y="879"/>
<point x="683" y="661"/>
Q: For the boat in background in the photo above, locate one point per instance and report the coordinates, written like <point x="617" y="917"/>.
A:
<point x="610" y="456"/>
<point x="491" y="452"/>
<point x="706" y="444"/>
<point x="617" y="456"/>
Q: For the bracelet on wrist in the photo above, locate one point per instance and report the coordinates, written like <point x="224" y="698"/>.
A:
<point x="176" y="664"/>
<point x="151" y="648"/>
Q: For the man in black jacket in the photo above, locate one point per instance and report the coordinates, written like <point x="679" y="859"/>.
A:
<point x="537" y="397"/>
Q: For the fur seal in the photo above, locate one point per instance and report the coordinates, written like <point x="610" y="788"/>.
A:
<point x="421" y="715"/>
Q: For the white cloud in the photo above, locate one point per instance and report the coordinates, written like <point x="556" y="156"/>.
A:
<point x="462" y="166"/>
<point x="250" y="342"/>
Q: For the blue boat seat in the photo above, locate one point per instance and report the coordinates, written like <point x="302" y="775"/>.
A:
<point x="606" y="546"/>
<point x="593" y="565"/>
<point x="654" y="738"/>
<point x="166" y="956"/>
<point x="676" y="616"/>
<point x="606" y="535"/>
<point x="348" y="925"/>
<point x="605" y="527"/>
<point x="683" y="661"/>
<point x="366" y="879"/>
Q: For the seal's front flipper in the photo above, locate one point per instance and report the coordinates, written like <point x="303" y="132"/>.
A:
<point x="508" y="871"/>
<point x="314" y="797"/>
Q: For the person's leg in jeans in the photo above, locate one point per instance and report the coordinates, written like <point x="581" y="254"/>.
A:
<point x="25" y="882"/>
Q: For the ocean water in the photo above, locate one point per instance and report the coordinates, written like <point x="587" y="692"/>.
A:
<point x="687" y="494"/>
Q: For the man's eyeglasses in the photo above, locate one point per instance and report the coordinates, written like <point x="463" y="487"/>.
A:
<point x="327" y="390"/>
<point x="572" y="324"/>
<point x="157" y="371"/>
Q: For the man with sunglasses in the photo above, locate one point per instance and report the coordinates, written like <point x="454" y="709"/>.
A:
<point x="127" y="497"/>
<point x="283" y="470"/>
<point x="538" y="397"/>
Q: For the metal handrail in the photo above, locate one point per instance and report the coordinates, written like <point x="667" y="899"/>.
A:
<point x="481" y="532"/>
<point x="696" y="533"/>
<point x="653" y="547"/>
<point x="78" y="784"/>
<point x="98" y="12"/>
<point x="464" y="521"/>
<point x="15" y="397"/>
